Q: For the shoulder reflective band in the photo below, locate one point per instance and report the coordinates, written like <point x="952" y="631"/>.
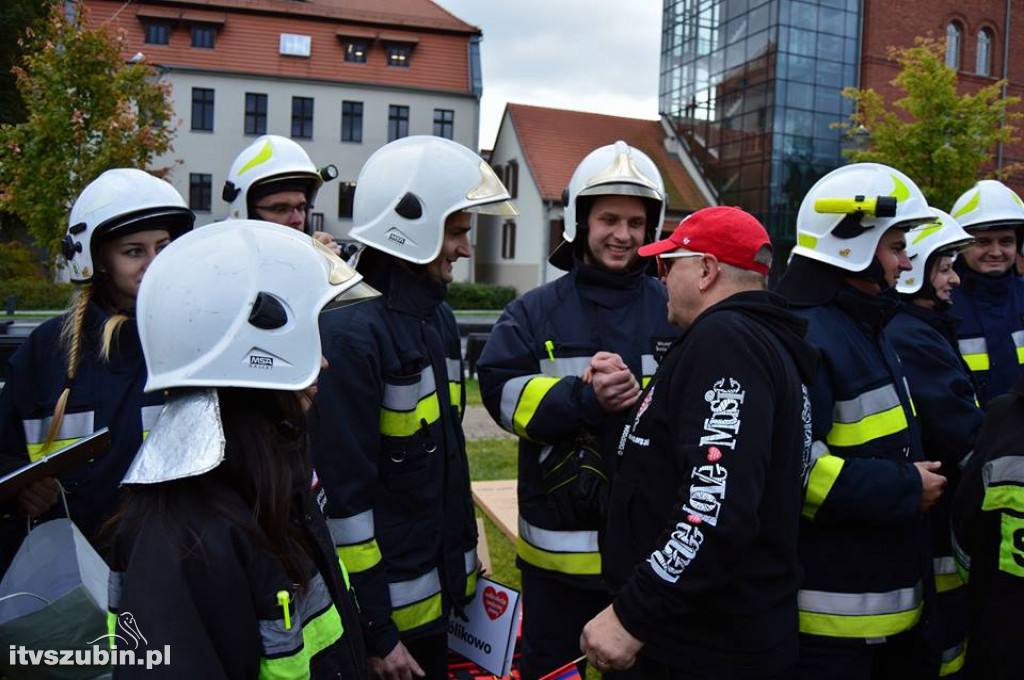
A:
<point x="520" y="398"/>
<point x="567" y="552"/>
<point x="316" y="626"/>
<point x="454" y="368"/>
<point x="354" y="540"/>
<point x="648" y="366"/>
<point x="871" y="415"/>
<point x="824" y="473"/>
<point x="975" y="353"/>
<point x="1018" y="342"/>
<point x="1004" y="484"/>
<point x="416" y="602"/>
<point x="471" y="570"/>
<point x="73" y="427"/>
<point x="946" y="576"/>
<point x="1011" y="547"/>
<point x="405" y="406"/>
<point x="953" y="659"/>
<point x="149" y="416"/>
<point x="859" y="615"/>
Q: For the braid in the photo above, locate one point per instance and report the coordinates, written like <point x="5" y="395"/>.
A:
<point x="110" y="331"/>
<point x="71" y="337"/>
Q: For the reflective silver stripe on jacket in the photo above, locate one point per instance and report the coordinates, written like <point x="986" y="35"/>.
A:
<point x="1018" y="339"/>
<point x="470" y="559"/>
<point x="149" y="416"/>
<point x="961" y="555"/>
<point x="114" y="581"/>
<point x="510" y="393"/>
<point x="404" y="593"/>
<point x="973" y="346"/>
<point x="564" y="367"/>
<point x="867" y="404"/>
<point x="944" y="566"/>
<point x="1001" y="470"/>
<point x="352" y="530"/>
<point x="277" y="640"/>
<point x="405" y="397"/>
<point x="454" y="368"/>
<point x="558" y="541"/>
<point x="648" y="364"/>
<point x="860" y="604"/>
<point x="73" y="426"/>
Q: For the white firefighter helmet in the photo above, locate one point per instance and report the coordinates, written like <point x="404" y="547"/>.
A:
<point x="942" y="235"/>
<point x="990" y="204"/>
<point x="270" y="164"/>
<point x="120" y="202"/>
<point x="408" y="188"/>
<point x="615" y="169"/>
<point x="235" y="304"/>
<point x="844" y="215"/>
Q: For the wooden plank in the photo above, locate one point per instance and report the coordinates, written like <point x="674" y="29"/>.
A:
<point x="483" y="551"/>
<point x="497" y="499"/>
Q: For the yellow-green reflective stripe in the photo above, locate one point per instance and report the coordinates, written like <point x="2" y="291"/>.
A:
<point x="975" y="353"/>
<point x="645" y="381"/>
<point x="417" y="614"/>
<point x="976" y="362"/>
<point x="317" y="635"/>
<point x="471" y="584"/>
<point x="946" y="576"/>
<point x="953" y="659"/>
<point x="819" y="483"/>
<point x="565" y="563"/>
<point x="359" y="557"/>
<point x="455" y="395"/>
<point x="344" y="573"/>
<point x="111" y="628"/>
<point x="859" y="615"/>
<point x="407" y="423"/>
<point x="262" y="157"/>
<point x="1011" y="559"/>
<point x="1020" y="355"/>
<point x="36" y="451"/>
<point x="880" y="625"/>
<point x="1005" y="497"/>
<point x="971" y="204"/>
<point x="534" y="391"/>
<point x="807" y="241"/>
<point x="871" y="427"/>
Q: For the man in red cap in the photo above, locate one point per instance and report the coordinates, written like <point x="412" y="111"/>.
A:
<point x="700" y="546"/>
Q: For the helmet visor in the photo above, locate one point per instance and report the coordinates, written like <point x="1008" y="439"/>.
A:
<point x="622" y="189"/>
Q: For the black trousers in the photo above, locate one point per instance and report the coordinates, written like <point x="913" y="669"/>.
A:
<point x="554" y="614"/>
<point x="431" y="653"/>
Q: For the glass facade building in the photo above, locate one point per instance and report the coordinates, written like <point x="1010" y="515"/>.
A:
<point x="753" y="89"/>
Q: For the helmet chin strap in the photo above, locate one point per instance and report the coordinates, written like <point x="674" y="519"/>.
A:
<point x="874" y="273"/>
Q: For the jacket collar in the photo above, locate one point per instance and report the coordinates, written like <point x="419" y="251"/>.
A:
<point x="407" y="291"/>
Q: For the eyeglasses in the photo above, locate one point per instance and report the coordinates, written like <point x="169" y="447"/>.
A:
<point x="665" y="260"/>
<point x="283" y="209"/>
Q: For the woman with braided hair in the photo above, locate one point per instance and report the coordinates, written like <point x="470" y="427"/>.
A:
<point x="84" y="370"/>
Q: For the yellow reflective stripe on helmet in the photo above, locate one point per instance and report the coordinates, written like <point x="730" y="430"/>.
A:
<point x="317" y="635"/>
<point x="407" y="423"/>
<point x="859" y="615"/>
<point x="823" y="476"/>
<point x="359" y="557"/>
<point x="1011" y="560"/>
<point x="263" y="156"/>
<point x="953" y="659"/>
<point x="900" y="191"/>
<point x="565" y="563"/>
<point x="807" y="241"/>
<point x="969" y="206"/>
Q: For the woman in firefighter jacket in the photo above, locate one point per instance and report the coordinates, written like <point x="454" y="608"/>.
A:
<point x="83" y="371"/>
<point x="387" y="424"/>
<point x="924" y="335"/>
<point x="221" y="552"/>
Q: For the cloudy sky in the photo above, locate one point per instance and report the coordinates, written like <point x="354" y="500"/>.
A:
<point x="589" y="55"/>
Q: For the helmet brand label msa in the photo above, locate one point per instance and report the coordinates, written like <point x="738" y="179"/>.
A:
<point x="262" y="363"/>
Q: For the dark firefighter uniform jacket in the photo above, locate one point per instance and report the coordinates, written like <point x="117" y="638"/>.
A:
<point x="950" y="418"/>
<point x="218" y="606"/>
<point x="991" y="330"/>
<point x="701" y="537"/>
<point x="988" y="534"/>
<point x="863" y="542"/>
<point x="387" y="442"/>
<point x="530" y="381"/>
<point x="103" y="394"/>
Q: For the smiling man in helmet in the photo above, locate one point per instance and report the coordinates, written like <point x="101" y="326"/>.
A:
<point x="863" y="543"/>
<point x="387" y="422"/>
<point x="274" y="180"/>
<point x="990" y="301"/>
<point x="560" y="370"/>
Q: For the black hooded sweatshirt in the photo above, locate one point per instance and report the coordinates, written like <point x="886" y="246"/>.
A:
<point x="701" y="540"/>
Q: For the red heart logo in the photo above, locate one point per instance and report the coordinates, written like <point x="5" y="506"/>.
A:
<point x="495" y="603"/>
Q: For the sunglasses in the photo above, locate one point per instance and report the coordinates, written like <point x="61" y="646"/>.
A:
<point x="665" y="260"/>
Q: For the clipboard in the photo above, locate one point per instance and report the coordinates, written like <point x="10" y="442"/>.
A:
<point x="52" y="464"/>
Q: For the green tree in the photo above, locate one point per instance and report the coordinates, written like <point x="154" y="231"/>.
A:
<point x="943" y="139"/>
<point x="87" y="111"/>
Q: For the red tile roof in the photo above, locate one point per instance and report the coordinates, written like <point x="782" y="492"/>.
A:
<point x="554" y="141"/>
<point x="249" y="31"/>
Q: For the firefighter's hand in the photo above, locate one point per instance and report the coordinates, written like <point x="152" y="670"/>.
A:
<point x="328" y="240"/>
<point x="609" y="646"/>
<point x="36" y="499"/>
<point x="932" y="485"/>
<point x="397" y="665"/>
<point x="616" y="390"/>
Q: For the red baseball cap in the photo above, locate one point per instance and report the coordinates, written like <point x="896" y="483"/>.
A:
<point x="732" y="235"/>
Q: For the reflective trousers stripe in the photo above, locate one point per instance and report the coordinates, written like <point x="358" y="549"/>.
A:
<point x="520" y="398"/>
<point x="824" y="474"/>
<point x="975" y="353"/>
<point x="946" y="576"/>
<point x="416" y="602"/>
<point x="359" y="557"/>
<point x="953" y="659"/>
<point x="859" y="615"/>
<point x="73" y="427"/>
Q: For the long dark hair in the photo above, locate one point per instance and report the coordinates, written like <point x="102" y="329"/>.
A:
<point x="265" y="462"/>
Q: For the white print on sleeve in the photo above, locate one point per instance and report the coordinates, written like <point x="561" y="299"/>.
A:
<point x="670" y="562"/>
<point x="723" y="426"/>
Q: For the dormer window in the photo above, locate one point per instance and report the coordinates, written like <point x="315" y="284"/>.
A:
<point x="398" y="54"/>
<point x="355" y="50"/>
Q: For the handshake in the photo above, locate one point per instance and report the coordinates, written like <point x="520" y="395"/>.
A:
<point x="615" y="386"/>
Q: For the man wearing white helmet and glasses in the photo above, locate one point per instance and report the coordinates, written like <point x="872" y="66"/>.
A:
<point x="560" y="370"/>
<point x="387" y="422"/>
<point x="274" y="180"/>
<point x="990" y="301"/>
<point x="867" y="485"/>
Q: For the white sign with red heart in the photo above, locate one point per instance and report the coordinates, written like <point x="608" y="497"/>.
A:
<point x="487" y="636"/>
